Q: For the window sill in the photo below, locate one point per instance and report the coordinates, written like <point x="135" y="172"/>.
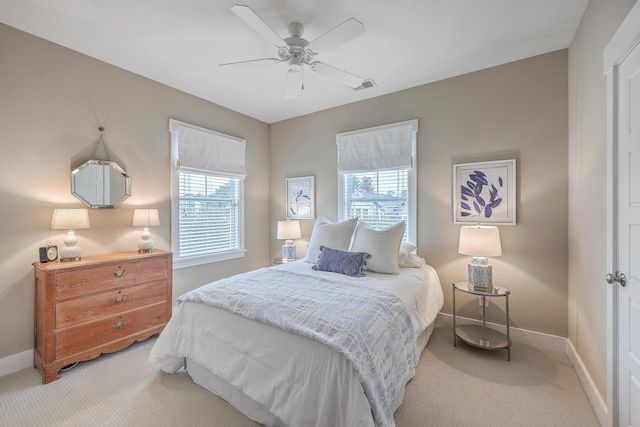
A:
<point x="207" y="259"/>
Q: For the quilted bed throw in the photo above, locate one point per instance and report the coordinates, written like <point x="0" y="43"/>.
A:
<point x="370" y="327"/>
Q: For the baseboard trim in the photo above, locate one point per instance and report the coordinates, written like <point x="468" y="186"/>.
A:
<point x="16" y="362"/>
<point x="597" y="403"/>
<point x="547" y="342"/>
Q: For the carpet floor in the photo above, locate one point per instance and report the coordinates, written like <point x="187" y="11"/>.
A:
<point x="453" y="386"/>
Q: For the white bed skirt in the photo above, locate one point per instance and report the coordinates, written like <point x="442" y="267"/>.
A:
<point x="262" y="415"/>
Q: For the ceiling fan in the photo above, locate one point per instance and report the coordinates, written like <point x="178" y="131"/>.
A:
<point x="297" y="52"/>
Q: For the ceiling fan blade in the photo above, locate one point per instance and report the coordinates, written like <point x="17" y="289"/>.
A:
<point x="293" y="85"/>
<point x="252" y="62"/>
<point x="344" y="32"/>
<point x="348" y="79"/>
<point x="255" y="22"/>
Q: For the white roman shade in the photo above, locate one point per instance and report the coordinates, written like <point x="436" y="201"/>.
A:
<point x="378" y="148"/>
<point x="203" y="150"/>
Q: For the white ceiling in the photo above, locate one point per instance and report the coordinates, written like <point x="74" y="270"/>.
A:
<point x="406" y="42"/>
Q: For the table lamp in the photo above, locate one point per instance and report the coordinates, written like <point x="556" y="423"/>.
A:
<point x="288" y="230"/>
<point x="480" y="242"/>
<point x="70" y="219"/>
<point x="145" y="218"/>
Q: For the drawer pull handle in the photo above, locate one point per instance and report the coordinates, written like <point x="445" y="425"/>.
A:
<point x="120" y="273"/>
<point x="119" y="324"/>
<point x="119" y="298"/>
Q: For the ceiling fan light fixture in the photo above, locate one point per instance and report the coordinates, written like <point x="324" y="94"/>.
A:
<point x="293" y="83"/>
<point x="295" y="63"/>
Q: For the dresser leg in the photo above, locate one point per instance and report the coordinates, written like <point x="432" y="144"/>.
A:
<point x="50" y="374"/>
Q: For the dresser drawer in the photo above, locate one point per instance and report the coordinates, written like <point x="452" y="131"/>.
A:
<point x="85" y="309"/>
<point x="72" y="284"/>
<point x="86" y="336"/>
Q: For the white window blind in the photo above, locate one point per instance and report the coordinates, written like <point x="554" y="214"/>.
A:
<point x="208" y="214"/>
<point x="204" y="150"/>
<point x="378" y="148"/>
<point x="377" y="185"/>
<point x="208" y="181"/>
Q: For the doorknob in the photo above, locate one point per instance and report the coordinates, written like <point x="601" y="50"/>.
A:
<point x="619" y="277"/>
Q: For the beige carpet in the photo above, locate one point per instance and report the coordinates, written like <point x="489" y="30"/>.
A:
<point x="461" y="386"/>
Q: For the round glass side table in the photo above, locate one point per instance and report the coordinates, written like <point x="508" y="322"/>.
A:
<point x="481" y="335"/>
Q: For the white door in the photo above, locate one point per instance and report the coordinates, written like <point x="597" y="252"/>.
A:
<point x="629" y="239"/>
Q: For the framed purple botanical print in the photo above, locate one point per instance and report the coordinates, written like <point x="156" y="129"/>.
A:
<point x="485" y="192"/>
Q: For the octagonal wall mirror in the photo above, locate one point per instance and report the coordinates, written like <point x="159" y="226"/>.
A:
<point x="100" y="184"/>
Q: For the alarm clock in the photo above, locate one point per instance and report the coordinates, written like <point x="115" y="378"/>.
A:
<point x="48" y="252"/>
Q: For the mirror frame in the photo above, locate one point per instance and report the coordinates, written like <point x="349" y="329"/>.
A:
<point x="117" y="168"/>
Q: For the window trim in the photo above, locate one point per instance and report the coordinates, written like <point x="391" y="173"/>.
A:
<point x="175" y="214"/>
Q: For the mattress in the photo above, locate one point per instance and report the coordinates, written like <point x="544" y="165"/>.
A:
<point x="279" y="378"/>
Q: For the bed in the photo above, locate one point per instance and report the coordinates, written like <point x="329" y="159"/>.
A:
<point x="241" y="347"/>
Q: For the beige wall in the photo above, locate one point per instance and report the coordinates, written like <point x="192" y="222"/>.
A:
<point x="587" y="179"/>
<point x="518" y="110"/>
<point x="52" y="101"/>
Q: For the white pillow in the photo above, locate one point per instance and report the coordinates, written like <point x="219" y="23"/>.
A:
<point x="382" y="245"/>
<point x="413" y="261"/>
<point x="332" y="235"/>
<point x="406" y="248"/>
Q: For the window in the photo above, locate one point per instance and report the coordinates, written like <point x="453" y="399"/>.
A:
<point x="208" y="214"/>
<point x="379" y="198"/>
<point x="376" y="177"/>
<point x="207" y="195"/>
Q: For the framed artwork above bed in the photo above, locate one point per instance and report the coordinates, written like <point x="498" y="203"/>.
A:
<point x="485" y="192"/>
<point x="301" y="198"/>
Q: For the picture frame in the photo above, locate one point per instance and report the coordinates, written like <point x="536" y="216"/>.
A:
<point x="301" y="198"/>
<point x="485" y="192"/>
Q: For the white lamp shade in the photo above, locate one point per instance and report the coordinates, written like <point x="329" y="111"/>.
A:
<point x="69" y="219"/>
<point x="288" y="230"/>
<point x="145" y="218"/>
<point x="480" y="241"/>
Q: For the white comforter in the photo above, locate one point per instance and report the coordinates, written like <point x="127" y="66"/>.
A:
<point x="297" y="380"/>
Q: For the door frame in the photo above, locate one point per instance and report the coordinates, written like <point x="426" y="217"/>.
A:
<point x="621" y="44"/>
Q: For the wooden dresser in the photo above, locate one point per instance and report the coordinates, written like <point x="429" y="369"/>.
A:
<point x="97" y="305"/>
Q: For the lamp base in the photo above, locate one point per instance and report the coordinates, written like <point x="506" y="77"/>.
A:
<point x="288" y="251"/>
<point x="145" y="244"/>
<point x="480" y="274"/>
<point x="70" y="252"/>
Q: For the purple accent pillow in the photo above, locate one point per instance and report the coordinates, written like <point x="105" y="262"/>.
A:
<point x="350" y="263"/>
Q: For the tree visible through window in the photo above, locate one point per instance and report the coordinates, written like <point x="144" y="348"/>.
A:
<point x="379" y="198"/>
